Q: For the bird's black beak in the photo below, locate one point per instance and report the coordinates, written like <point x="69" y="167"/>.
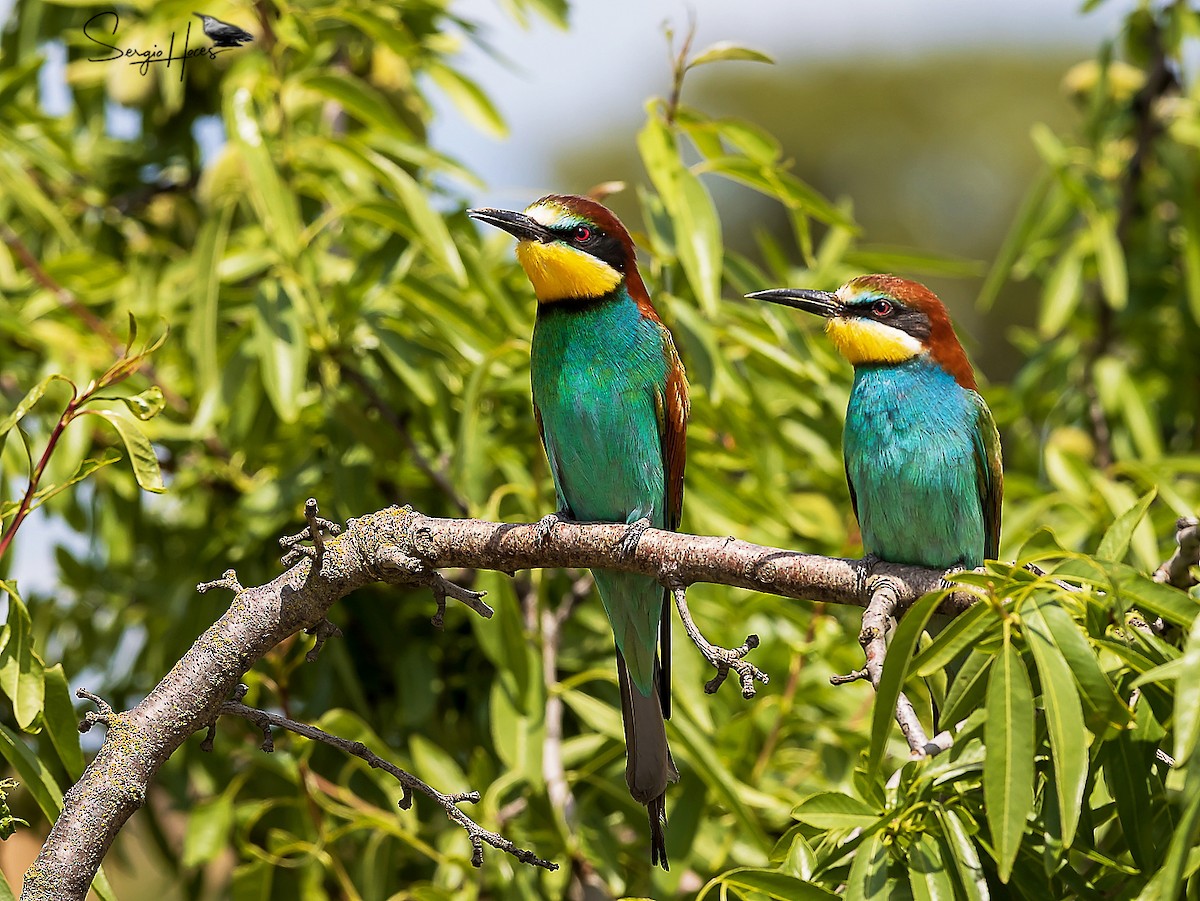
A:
<point x="518" y="225"/>
<point x="823" y="303"/>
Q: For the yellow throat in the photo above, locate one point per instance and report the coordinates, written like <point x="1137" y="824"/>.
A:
<point x="865" y="341"/>
<point x="561" y="272"/>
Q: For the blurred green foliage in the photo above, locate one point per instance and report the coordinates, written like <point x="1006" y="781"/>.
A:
<point x="339" y="329"/>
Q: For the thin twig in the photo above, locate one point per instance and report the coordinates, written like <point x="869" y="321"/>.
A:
<point x="885" y="598"/>
<point x="1177" y="569"/>
<point x="724" y="659"/>
<point x="408" y="782"/>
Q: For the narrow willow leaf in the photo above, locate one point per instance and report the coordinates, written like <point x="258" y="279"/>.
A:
<point x="21" y="672"/>
<point x="967" y="688"/>
<point x="698" y="239"/>
<point x="928" y="871"/>
<point x="1168" y="883"/>
<point x="895" y="671"/>
<point x="282" y="348"/>
<point x="1062" y="292"/>
<point x="1008" y="769"/>
<point x="1115" y="543"/>
<point x="1026" y="222"/>
<point x="141" y="453"/>
<point x="1127" y="765"/>
<point x="1064" y="722"/>
<point x="61" y="723"/>
<point x="868" y="879"/>
<point x="965" y="630"/>
<point x="1187" y="699"/>
<point x="1102" y="706"/>
<point x="833" y="810"/>
<point x="774" y="884"/>
<point x="209" y="825"/>
<point x="1110" y="259"/>
<point x="725" y="50"/>
<point x="965" y="857"/>
<point x="29" y="401"/>
<point x="470" y="100"/>
<point x="276" y="206"/>
<point x="358" y="98"/>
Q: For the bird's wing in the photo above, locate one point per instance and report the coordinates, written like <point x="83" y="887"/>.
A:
<point x="671" y="406"/>
<point x="989" y="475"/>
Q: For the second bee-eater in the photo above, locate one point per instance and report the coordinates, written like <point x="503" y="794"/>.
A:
<point x="611" y="403"/>
<point x="921" y="448"/>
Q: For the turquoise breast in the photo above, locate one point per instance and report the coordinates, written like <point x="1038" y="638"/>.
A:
<point x="910" y="449"/>
<point x="595" y="372"/>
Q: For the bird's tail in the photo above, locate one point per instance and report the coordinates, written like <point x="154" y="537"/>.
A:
<point x="648" y="763"/>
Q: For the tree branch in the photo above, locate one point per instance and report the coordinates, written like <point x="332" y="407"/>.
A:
<point x="1177" y="570"/>
<point x="400" y="547"/>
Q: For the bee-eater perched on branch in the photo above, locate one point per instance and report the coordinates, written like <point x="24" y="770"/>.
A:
<point x="921" y="448"/>
<point x="611" y="402"/>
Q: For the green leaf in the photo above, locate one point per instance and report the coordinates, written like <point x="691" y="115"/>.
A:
<point x="1062" y="292"/>
<point x="895" y="671"/>
<point x="774" y="884"/>
<point x="29" y="401"/>
<point x="358" y="98"/>
<point x="927" y="871"/>
<point x="1153" y="598"/>
<point x="61" y="722"/>
<point x="1064" y="722"/>
<point x="868" y="878"/>
<point x="698" y="239"/>
<point x="21" y="670"/>
<point x="470" y="100"/>
<point x="1102" y="706"/>
<point x="726" y="50"/>
<point x="141" y="453"/>
<point x="429" y="228"/>
<point x="966" y="688"/>
<point x="1187" y="699"/>
<point x="146" y="405"/>
<point x="697" y="228"/>
<point x="833" y="810"/>
<point x="1115" y="543"/>
<point x="965" y="631"/>
<point x="282" y="348"/>
<point x="32" y="773"/>
<point x="1127" y="766"/>
<point x="209" y="827"/>
<point x="963" y="854"/>
<point x="1008" y="768"/>
<point x="1027" y="220"/>
<point x="1110" y="259"/>
<point x="1168" y="883"/>
<point x="274" y="204"/>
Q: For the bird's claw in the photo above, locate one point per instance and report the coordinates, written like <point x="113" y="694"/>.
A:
<point x="633" y="534"/>
<point x="545" y="525"/>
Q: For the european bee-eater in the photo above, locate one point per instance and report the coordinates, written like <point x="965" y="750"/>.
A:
<point x="921" y="448"/>
<point x="611" y="403"/>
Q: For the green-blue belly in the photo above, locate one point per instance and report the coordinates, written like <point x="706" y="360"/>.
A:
<point x="911" y="459"/>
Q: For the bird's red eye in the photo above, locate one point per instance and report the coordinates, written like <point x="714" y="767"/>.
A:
<point x="583" y="234"/>
<point x="881" y="308"/>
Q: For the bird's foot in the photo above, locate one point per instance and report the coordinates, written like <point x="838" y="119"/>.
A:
<point x="724" y="659"/>
<point x="633" y="534"/>
<point x="545" y="525"/>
